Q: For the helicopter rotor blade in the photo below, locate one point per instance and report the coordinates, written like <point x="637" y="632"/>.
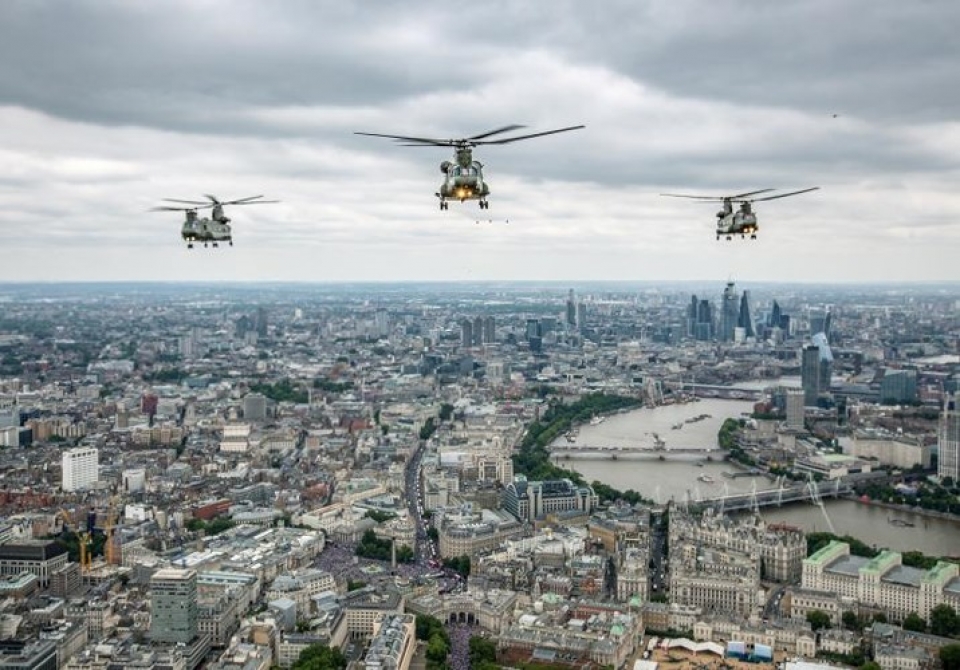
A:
<point x="165" y="208"/>
<point x="185" y="202"/>
<point x="418" y="140"/>
<point x="744" y="195"/>
<point x="505" y="129"/>
<point x="212" y="199"/>
<point x="693" y="197"/>
<point x="257" y="202"/>
<point x="240" y="201"/>
<point x="785" y="195"/>
<point x="508" y="140"/>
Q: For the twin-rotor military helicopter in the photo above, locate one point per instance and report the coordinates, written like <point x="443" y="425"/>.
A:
<point x="463" y="180"/>
<point x="742" y="222"/>
<point x="213" y="229"/>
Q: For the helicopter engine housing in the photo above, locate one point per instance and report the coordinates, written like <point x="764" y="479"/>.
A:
<point x="445" y="166"/>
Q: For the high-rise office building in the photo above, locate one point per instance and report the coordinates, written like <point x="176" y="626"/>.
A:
<point x="816" y="367"/>
<point x="261" y="322"/>
<point x="898" y="386"/>
<point x="477" y="331"/>
<point x="489" y="330"/>
<point x="533" y="329"/>
<point x="571" y="309"/>
<point x="795" y="401"/>
<point x="381" y="322"/>
<point x="775" y="313"/>
<point x="705" y="329"/>
<point x="948" y="438"/>
<point x="744" y="320"/>
<point x="581" y="315"/>
<point x="173" y="605"/>
<point x="819" y="322"/>
<point x="729" y="312"/>
<point x="466" y="333"/>
<point x="80" y="468"/>
<point x="692" y="317"/>
<point x="255" y="407"/>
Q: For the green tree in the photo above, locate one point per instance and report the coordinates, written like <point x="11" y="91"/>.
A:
<point x="950" y="656"/>
<point x="482" y="650"/>
<point x="437" y="649"/>
<point x="320" y="657"/>
<point x="870" y="665"/>
<point x="818" y="619"/>
<point x="944" y="621"/>
<point x="850" y="620"/>
<point x="459" y="564"/>
<point x="428" y="429"/>
<point x="914" y="622"/>
<point x="427" y="626"/>
<point x="446" y="411"/>
<point x="380" y="516"/>
<point x="879" y="617"/>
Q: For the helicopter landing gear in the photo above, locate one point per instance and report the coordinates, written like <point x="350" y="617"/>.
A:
<point x="729" y="238"/>
<point x="444" y="205"/>
<point x="215" y="245"/>
<point x="190" y="246"/>
<point x="753" y="237"/>
<point x="718" y="238"/>
<point x="204" y="245"/>
<point x="231" y="243"/>
<point x="484" y="204"/>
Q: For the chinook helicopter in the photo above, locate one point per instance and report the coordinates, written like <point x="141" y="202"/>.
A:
<point x="463" y="178"/>
<point x="214" y="229"/>
<point x="742" y="222"/>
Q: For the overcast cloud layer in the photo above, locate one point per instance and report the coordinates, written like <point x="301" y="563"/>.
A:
<point x="108" y="106"/>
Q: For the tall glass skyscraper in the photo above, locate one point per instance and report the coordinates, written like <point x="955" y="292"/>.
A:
<point x="729" y="313"/>
<point x="948" y="464"/>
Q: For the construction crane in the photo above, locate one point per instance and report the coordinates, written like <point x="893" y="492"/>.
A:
<point x="112" y="544"/>
<point x="86" y="551"/>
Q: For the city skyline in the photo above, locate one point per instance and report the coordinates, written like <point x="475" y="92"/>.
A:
<point x="684" y="98"/>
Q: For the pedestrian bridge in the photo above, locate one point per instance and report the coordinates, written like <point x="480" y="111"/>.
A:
<point x="813" y="492"/>
<point x="614" y="452"/>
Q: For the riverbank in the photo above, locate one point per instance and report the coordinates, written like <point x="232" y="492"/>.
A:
<point x="916" y="511"/>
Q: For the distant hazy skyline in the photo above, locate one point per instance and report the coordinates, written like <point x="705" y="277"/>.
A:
<point x="108" y="106"/>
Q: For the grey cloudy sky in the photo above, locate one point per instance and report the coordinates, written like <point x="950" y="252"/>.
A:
<point x="106" y="106"/>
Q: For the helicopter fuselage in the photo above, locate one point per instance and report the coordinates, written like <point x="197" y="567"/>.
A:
<point x="742" y="222"/>
<point x="463" y="182"/>
<point x="206" y="230"/>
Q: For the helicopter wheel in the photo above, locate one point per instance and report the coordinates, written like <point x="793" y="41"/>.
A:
<point x="718" y="237"/>
<point x="729" y="238"/>
<point x="204" y="245"/>
<point x="753" y="237"/>
<point x="189" y="246"/>
<point x="231" y="243"/>
<point x="215" y="245"/>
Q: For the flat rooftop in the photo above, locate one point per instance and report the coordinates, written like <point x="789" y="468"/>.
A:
<point x="848" y="565"/>
<point x="904" y="575"/>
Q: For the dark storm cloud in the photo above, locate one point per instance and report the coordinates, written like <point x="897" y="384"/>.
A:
<point x="193" y="65"/>
<point x="880" y="59"/>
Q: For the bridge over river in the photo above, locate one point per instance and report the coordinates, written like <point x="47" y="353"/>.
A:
<point x="614" y="452"/>
<point x="810" y="491"/>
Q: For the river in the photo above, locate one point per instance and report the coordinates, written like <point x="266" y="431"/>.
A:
<point x="689" y="476"/>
